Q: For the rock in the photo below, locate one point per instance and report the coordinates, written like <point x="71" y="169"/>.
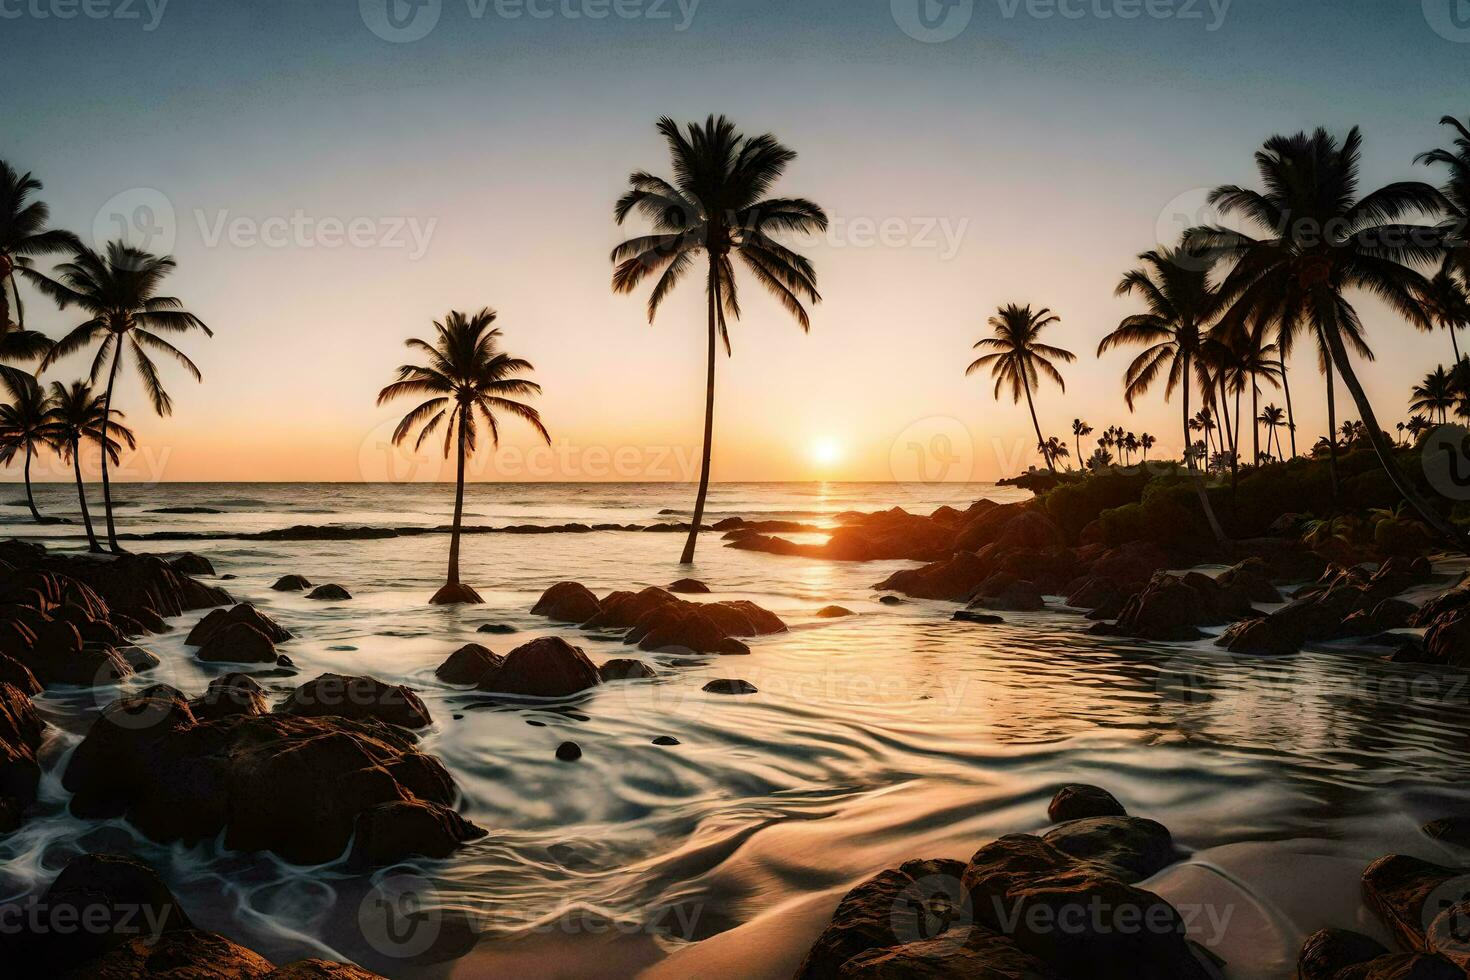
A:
<point x="1327" y="952"/>
<point x="1448" y="639"/>
<point x="292" y="583"/>
<point x="1250" y="579"/>
<point x="890" y="600"/>
<point x="295" y="786"/>
<point x="229" y="695"/>
<point x="18" y="675"/>
<point x="834" y="612"/>
<point x="987" y="527"/>
<point x="625" y="670"/>
<point x="1446" y="602"/>
<point x="1451" y="830"/>
<point x="569" y="752"/>
<point x="1260" y="636"/>
<point x="977" y="618"/>
<point x="685" y="629"/>
<point x="218" y="619"/>
<point x="55" y="654"/>
<point x="1167" y="609"/>
<point x="1079" y="801"/>
<point x="400" y="829"/>
<point x="470" y="664"/>
<point x="187" y="954"/>
<point x="1397" y="887"/>
<point x="1015" y="597"/>
<point x="1131" y="847"/>
<point x="331" y="593"/>
<point x="321" y="970"/>
<point x="1023" y="887"/>
<point x="689" y="586"/>
<point x="953" y="579"/>
<point x="238" y="643"/>
<point x="728" y="686"/>
<point x="567" y="602"/>
<point x="1403" y="966"/>
<point x="497" y="629"/>
<point x="1095" y="592"/>
<point x="21" y="729"/>
<point x="665" y="740"/>
<point x="973" y="953"/>
<point x="357" y="698"/>
<point x="456" y="594"/>
<point x="548" y="667"/>
<point x="192" y="564"/>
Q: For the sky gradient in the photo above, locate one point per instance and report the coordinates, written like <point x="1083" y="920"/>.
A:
<point x="1027" y="159"/>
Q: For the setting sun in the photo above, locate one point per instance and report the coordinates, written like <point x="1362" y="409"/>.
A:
<point x="825" y="452"/>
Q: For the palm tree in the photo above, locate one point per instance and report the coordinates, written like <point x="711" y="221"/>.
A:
<point x="1272" y="418"/>
<point x="1447" y="303"/>
<point x="1400" y="428"/>
<point x="23" y="235"/>
<point x="1436" y="393"/>
<point x="76" y="416"/>
<point x="119" y="293"/>
<point x="1418" y="425"/>
<point x="24" y="428"/>
<point x="1018" y="357"/>
<point x="1080" y="429"/>
<point x="1147" y="442"/>
<point x="1055" y="448"/>
<point x="1323" y="241"/>
<point x="1130" y="445"/>
<point x="1456" y="192"/>
<point x="715" y="206"/>
<point x="467" y="377"/>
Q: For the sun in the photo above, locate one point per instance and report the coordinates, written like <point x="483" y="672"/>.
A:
<point x="825" y="452"/>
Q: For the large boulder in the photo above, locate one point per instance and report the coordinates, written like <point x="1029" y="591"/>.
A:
<point x="295" y="786"/>
<point x="292" y="583"/>
<point x="468" y="665"/>
<point x="238" y="643"/>
<point x="1448" y="639"/>
<point x="1132" y="848"/>
<point x="1398" y="889"/>
<point x="20" y="738"/>
<point x="954" y="579"/>
<point x="192" y="564"/>
<point x="229" y="695"/>
<point x="56" y="654"/>
<point x="1079" y="801"/>
<point x="220" y="619"/>
<point x="548" y="667"/>
<point x="567" y="602"/>
<point x="1327" y="952"/>
<point x="1012" y="597"/>
<point x="987" y="527"/>
<point x="358" y="698"/>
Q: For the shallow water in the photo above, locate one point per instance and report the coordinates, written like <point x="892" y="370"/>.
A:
<point x="890" y="735"/>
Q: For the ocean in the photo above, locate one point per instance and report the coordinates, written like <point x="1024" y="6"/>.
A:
<point x="893" y="734"/>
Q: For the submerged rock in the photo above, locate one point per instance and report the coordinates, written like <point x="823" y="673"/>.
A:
<point x="548" y="667"/>
<point x="292" y="583"/>
<point x="456" y="594"/>
<point x="192" y="564"/>
<point x="1078" y="801"/>
<point x="689" y="586"/>
<point x="625" y="670"/>
<point x="834" y="612"/>
<point x="220" y="619"/>
<point x="567" y="602"/>
<point x="357" y="698"/>
<point x="470" y="664"/>
<point x="1131" y="847"/>
<point x="330" y="592"/>
<point x="730" y="686"/>
<point x="238" y="643"/>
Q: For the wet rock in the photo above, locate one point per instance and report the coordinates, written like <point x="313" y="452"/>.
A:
<point x="470" y="664"/>
<point x="568" y="752"/>
<point x="330" y="593"/>
<point x="1397" y="888"/>
<point x="1131" y="847"/>
<point x="685" y="628"/>
<point x="1079" y="801"/>
<point x="665" y="740"/>
<point x="1327" y="952"/>
<point x="238" y="643"/>
<point x="1260" y="637"/>
<point x="1250" y="579"/>
<point x="689" y="586"/>
<point x="138" y="658"/>
<point x="292" y="583"/>
<point x="548" y="667"/>
<point x="1014" y="597"/>
<point x="977" y="618"/>
<point x="295" y="786"/>
<point x="1167" y="609"/>
<point x="18" y="675"/>
<point x="219" y="619"/>
<point x="229" y="695"/>
<point x="321" y="970"/>
<point x="729" y="686"/>
<point x="357" y="698"/>
<point x="456" y="594"/>
<point x="1451" y="830"/>
<point x="1025" y="888"/>
<point x="1447" y="641"/>
<point x="1095" y="592"/>
<point x="625" y="670"/>
<point x="497" y="629"/>
<point x="1403" y="966"/>
<point x="567" y="602"/>
<point x="400" y="829"/>
<point x="964" y="952"/>
<point x="20" y="738"/>
<point x="192" y="564"/>
<point x="953" y="579"/>
<point x="834" y="612"/>
<point x="55" y="654"/>
<point x="890" y="600"/>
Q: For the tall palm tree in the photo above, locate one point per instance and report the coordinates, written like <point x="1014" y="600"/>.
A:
<point x="1018" y="358"/>
<point x="1456" y="192"/>
<point x="1321" y="242"/>
<point x="76" y="416"/>
<point x="118" y="291"/>
<point x="1130" y="445"/>
<point x="23" y="236"/>
<point x="1418" y="425"/>
<point x="1272" y="418"/>
<point x="1080" y="429"/>
<point x="715" y="206"/>
<point x="467" y="377"/>
<point x="25" y="427"/>
<point x="1447" y="303"/>
<point x="1146" y="442"/>
<point x="1436" y="393"/>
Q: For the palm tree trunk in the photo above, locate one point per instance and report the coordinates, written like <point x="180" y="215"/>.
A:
<point x="453" y="575"/>
<point x="20" y="310"/>
<point x="1290" y="417"/>
<point x="1332" y="430"/>
<point x="1040" y="442"/>
<point x="1453" y="342"/>
<point x="1255" y="424"/>
<point x="709" y="414"/>
<point x="1427" y="514"/>
<point x="1195" y="478"/>
<point x="30" y="498"/>
<point x="76" y="461"/>
<point x="112" y="544"/>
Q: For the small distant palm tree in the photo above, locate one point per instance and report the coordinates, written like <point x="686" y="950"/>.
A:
<point x="1436" y="393"/>
<point x="1101" y="459"/>
<point x="1017" y="357"/>
<point x="467" y="376"/>
<point x="1130" y="446"/>
<point x="1447" y="304"/>
<point x="1055" y="448"/>
<point x="118" y="291"/>
<point x="1147" y="442"/>
<point x="25" y="428"/>
<point x="1401" y="428"/>
<point x="1273" y="419"/>
<point x="23" y="236"/>
<point x="716" y="207"/>
<point x="76" y="416"/>
<point x="1080" y="429"/>
<point x="1418" y="425"/>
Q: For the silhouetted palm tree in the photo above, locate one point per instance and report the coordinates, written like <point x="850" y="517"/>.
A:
<point x="119" y="293"/>
<point x="23" y="236"/>
<point x="467" y="375"/>
<point x="1272" y="418"/>
<point x="1456" y="192"/>
<point x="1418" y="425"/>
<point x="1080" y="429"/>
<point x="1055" y="448"/>
<point x="24" y="428"/>
<point x="1018" y="357"/>
<point x="1436" y="393"/>
<point x="76" y="416"/>
<point x="1323" y="241"/>
<point x="715" y="206"/>
<point x="1447" y="303"/>
<point x="1147" y="442"/>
